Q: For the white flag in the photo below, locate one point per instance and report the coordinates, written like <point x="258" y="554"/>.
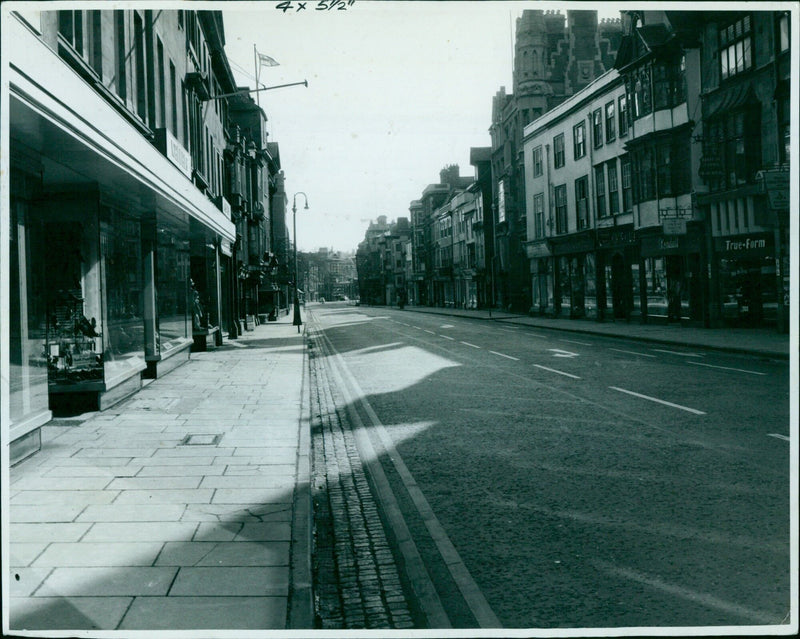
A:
<point x="266" y="61"/>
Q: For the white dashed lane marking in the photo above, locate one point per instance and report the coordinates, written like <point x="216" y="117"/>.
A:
<point x="468" y="344"/>
<point x="659" y="350"/>
<point x="727" y="368"/>
<point x="658" y="401"/>
<point x="631" y="352"/>
<point x="516" y="359"/>
<point x="553" y="370"/>
<point x="778" y="436"/>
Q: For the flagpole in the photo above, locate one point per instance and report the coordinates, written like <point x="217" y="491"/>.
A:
<point x="255" y="63"/>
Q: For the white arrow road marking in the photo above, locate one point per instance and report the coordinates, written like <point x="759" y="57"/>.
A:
<point x="553" y="370"/>
<point x="660" y="401"/>
<point x="516" y="359"/>
<point x="779" y="436"/>
<point x="557" y="352"/>
<point x="727" y="368"/>
<point x="658" y="350"/>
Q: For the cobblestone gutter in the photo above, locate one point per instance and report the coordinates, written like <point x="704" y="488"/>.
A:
<point x="356" y="581"/>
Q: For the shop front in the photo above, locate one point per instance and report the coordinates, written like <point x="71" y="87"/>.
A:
<point x="538" y="252"/>
<point x="668" y="280"/>
<point x="106" y="235"/>
<point x="575" y="275"/>
<point x="28" y="402"/>
<point x="168" y="347"/>
<point x="747" y="283"/>
<point x="617" y="257"/>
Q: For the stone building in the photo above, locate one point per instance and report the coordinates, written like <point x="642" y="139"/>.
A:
<point x="128" y="182"/>
<point x="554" y="57"/>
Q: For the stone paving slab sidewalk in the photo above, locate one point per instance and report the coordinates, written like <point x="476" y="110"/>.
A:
<point x="752" y="341"/>
<point x="185" y="507"/>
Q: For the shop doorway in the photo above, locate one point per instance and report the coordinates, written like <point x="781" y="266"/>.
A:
<point x="618" y="286"/>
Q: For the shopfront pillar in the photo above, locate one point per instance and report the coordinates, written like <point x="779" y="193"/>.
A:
<point x="149" y="305"/>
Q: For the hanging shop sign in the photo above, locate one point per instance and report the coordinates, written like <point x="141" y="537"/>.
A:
<point x="673" y="226"/>
<point x="776" y="186"/>
<point x="225" y="247"/>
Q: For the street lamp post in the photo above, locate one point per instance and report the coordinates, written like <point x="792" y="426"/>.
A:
<point x="297" y="320"/>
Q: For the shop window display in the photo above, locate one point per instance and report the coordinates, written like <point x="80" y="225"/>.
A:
<point x="564" y="286"/>
<point x="27" y="317"/>
<point x="73" y="345"/>
<point x="748" y="290"/>
<point x="121" y="249"/>
<point x="636" y="310"/>
<point x="656" y="282"/>
<point x="172" y="282"/>
<point x="590" y="286"/>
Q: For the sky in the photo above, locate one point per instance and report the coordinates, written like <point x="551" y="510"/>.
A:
<point x="396" y="92"/>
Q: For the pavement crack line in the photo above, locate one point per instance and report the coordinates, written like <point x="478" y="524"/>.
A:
<point x="472" y="595"/>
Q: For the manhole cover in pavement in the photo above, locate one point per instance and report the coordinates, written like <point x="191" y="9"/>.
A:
<point x="200" y="440"/>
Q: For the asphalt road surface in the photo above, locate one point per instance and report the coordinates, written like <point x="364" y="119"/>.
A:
<point x="552" y="480"/>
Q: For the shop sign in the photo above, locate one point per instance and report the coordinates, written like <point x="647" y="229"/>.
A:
<point x="674" y="226"/>
<point x="582" y="243"/>
<point x="225" y="247"/>
<point x="776" y="185"/>
<point x="224" y="206"/>
<point x="178" y="155"/>
<point x="663" y="245"/>
<point x="537" y="249"/>
<point x="743" y="243"/>
<point x="607" y="238"/>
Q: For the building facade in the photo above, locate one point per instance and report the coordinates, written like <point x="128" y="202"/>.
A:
<point x="124" y="235"/>
<point x="580" y="220"/>
<point x="745" y="143"/>
<point x="554" y="58"/>
<point x="659" y="192"/>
